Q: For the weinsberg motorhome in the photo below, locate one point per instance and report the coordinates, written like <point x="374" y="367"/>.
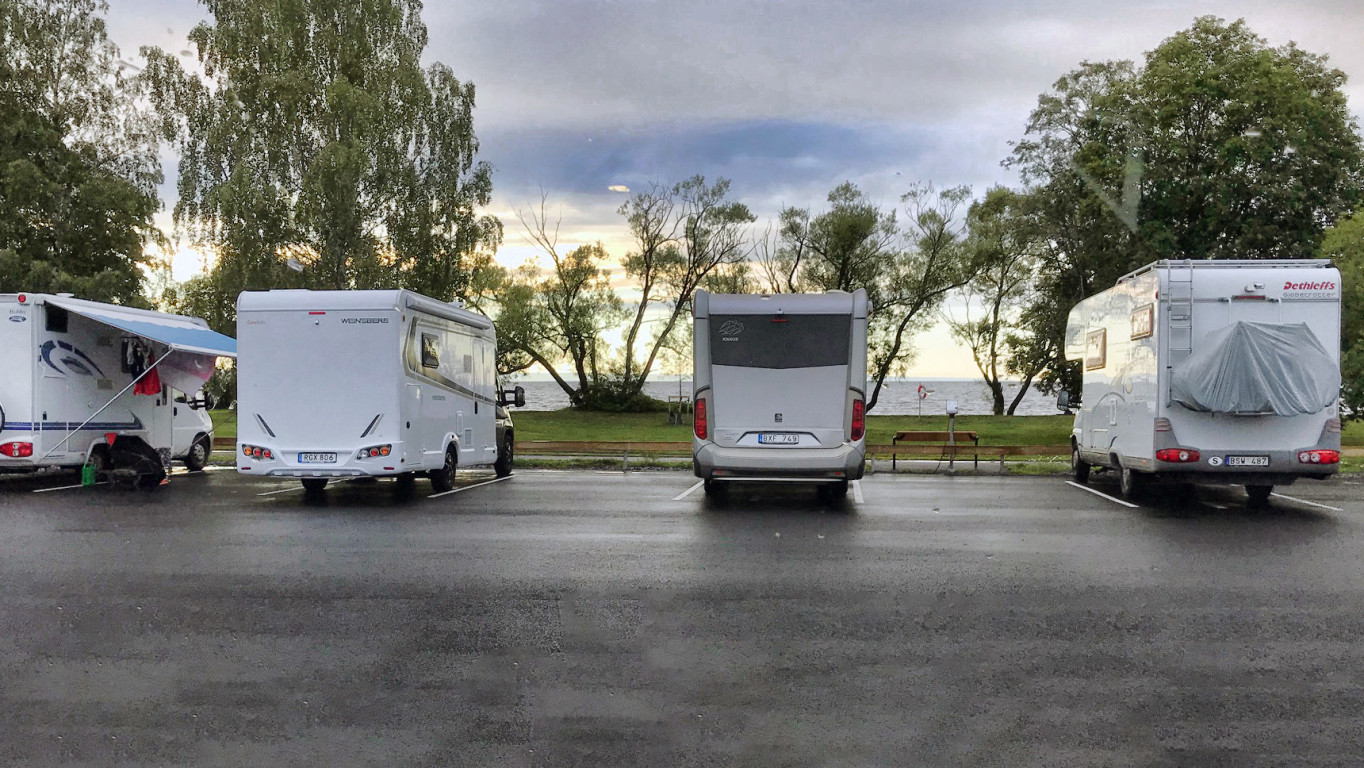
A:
<point x="779" y="388"/>
<point x="85" y="382"/>
<point x="1210" y="372"/>
<point x="336" y="384"/>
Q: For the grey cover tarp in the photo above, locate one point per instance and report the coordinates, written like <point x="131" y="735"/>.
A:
<point x="1257" y="368"/>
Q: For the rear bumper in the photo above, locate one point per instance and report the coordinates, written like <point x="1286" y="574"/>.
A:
<point x="285" y="463"/>
<point x="842" y="462"/>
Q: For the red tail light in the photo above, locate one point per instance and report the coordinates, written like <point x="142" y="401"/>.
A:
<point x="1177" y="455"/>
<point x="699" y="423"/>
<point x="17" y="450"/>
<point x="859" y="425"/>
<point x="1319" y="457"/>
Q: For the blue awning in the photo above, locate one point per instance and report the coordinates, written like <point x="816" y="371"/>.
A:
<point x="186" y="334"/>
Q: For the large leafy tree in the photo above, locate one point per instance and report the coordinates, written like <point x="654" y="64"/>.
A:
<point x="1344" y="245"/>
<point x="317" y="151"/>
<point x="78" y="166"/>
<point x="1218" y="146"/>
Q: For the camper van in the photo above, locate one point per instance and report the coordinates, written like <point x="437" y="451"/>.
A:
<point x="85" y="382"/>
<point x="779" y="388"/>
<point x="344" y="384"/>
<point x="1218" y="372"/>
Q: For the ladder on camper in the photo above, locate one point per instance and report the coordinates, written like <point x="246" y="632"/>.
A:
<point x="1179" y="293"/>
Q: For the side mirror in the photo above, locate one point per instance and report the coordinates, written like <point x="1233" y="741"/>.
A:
<point x="516" y="397"/>
<point x="204" y="401"/>
<point x="1065" y="403"/>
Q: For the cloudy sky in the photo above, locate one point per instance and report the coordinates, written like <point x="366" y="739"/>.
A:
<point x="786" y="99"/>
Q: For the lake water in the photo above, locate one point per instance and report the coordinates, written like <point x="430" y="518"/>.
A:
<point x="898" y="397"/>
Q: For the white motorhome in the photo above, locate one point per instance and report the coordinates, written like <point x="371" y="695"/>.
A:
<point x="337" y="384"/>
<point x="1219" y="372"/>
<point x="779" y="388"/>
<point x="85" y="382"/>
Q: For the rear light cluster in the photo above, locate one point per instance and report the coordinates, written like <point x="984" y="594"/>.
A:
<point x="1177" y="455"/>
<point x="859" y="420"/>
<point x="1319" y="457"/>
<point x="256" y="452"/>
<point x="376" y="450"/>
<point x="699" y="424"/>
<point x="17" y="450"/>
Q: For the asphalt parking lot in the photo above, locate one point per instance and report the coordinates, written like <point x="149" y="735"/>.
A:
<point x="602" y="619"/>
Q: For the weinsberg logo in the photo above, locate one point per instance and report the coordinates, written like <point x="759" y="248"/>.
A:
<point x="364" y="320"/>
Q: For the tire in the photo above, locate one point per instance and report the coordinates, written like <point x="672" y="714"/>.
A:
<point x="1132" y="483"/>
<point x="1078" y="465"/>
<point x="100" y="458"/>
<point x="314" y="484"/>
<point x="834" y="492"/>
<point x="505" y="457"/>
<point x="1259" y="495"/>
<point x="713" y="488"/>
<point x="197" y="458"/>
<point x="443" y="479"/>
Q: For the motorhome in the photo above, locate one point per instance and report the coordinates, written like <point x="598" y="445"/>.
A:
<point x="1217" y="372"/>
<point x="86" y="382"/>
<point x="779" y="388"/>
<point x="343" y="384"/>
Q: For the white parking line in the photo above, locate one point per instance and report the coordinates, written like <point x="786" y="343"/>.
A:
<point x="857" y="491"/>
<point x="282" y="490"/>
<point x="1100" y="493"/>
<point x="69" y="487"/>
<point x="1309" y="503"/>
<point x="689" y="491"/>
<point x="470" y="487"/>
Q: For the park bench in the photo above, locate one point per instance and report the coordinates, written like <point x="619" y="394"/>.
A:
<point x="941" y="445"/>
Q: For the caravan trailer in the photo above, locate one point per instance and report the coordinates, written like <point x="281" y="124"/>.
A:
<point x="86" y="382"/>
<point x="1217" y="372"/>
<point x="779" y="388"/>
<point x="339" y="384"/>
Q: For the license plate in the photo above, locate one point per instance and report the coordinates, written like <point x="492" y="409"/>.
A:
<point x="1247" y="461"/>
<point x="317" y="458"/>
<point x="779" y="439"/>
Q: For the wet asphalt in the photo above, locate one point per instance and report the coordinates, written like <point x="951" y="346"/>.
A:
<point x="596" y="619"/>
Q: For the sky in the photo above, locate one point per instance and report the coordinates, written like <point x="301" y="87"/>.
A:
<point x="785" y="99"/>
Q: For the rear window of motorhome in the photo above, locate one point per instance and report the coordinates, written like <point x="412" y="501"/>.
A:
<point x="782" y="341"/>
<point x="430" y="350"/>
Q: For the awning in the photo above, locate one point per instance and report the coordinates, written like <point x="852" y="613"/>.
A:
<point x="186" y="334"/>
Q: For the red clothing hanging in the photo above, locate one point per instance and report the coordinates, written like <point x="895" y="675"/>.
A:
<point x="149" y="384"/>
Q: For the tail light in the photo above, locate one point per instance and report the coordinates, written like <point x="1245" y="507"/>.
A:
<point x="17" y="450"/>
<point x="1319" y="457"/>
<point x="1177" y="455"/>
<point x="859" y="423"/>
<point x="376" y="450"/>
<point x="256" y="452"/>
<point x="699" y="423"/>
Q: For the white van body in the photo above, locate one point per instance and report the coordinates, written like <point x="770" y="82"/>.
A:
<point x="778" y="382"/>
<point x="325" y="376"/>
<point x="1142" y="342"/>
<point x="64" y="388"/>
<point x="191" y="430"/>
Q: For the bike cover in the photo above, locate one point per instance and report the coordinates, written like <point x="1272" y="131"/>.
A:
<point x="1257" y="368"/>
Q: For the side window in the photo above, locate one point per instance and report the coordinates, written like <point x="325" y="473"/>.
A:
<point x="430" y="350"/>
<point x="1096" y="349"/>
<point x="56" y="318"/>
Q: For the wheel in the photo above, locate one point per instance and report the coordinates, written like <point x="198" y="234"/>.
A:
<point x="1078" y="465"/>
<point x="197" y="458"/>
<point x="713" y="488"/>
<point x="405" y="484"/>
<point x="443" y="479"/>
<point x="1259" y="494"/>
<point x="1132" y="483"/>
<point x="314" y="484"/>
<point x="503" y="465"/>
<point x="834" y="491"/>
<point x="99" y="458"/>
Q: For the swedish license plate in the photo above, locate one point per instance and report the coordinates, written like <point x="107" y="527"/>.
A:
<point x="778" y="439"/>
<point x="1247" y="461"/>
<point x="317" y="458"/>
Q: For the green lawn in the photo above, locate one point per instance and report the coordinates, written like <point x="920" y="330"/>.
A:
<point x="578" y="425"/>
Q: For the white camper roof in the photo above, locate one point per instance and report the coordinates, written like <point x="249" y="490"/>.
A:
<point x="187" y="334"/>
<point x="832" y="303"/>
<point x="374" y="301"/>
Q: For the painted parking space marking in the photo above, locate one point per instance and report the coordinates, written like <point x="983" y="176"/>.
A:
<point x="1308" y="503"/>
<point x="1101" y="493"/>
<point x="857" y="491"/>
<point x="689" y="491"/>
<point x="470" y="487"/>
<point x="69" y="487"/>
<point x="282" y="490"/>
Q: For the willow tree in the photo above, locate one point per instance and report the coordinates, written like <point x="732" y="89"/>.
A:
<point x="316" y="151"/>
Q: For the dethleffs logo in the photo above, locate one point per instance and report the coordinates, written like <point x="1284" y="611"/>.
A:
<point x="1318" y="286"/>
<point x="364" y="320"/>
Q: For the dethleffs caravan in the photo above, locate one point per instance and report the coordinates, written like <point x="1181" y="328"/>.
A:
<point x="1210" y="372"/>
<point x="336" y="384"/>
<point x="779" y="388"/>
<point x="85" y="382"/>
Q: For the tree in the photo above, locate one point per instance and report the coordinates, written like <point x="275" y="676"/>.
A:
<point x="1219" y="146"/>
<point x="78" y="165"/>
<point x="1000" y="243"/>
<point x="315" y="140"/>
<point x="1344" y="245"/>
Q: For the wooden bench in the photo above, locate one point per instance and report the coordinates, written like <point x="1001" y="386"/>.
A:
<point x="942" y="439"/>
